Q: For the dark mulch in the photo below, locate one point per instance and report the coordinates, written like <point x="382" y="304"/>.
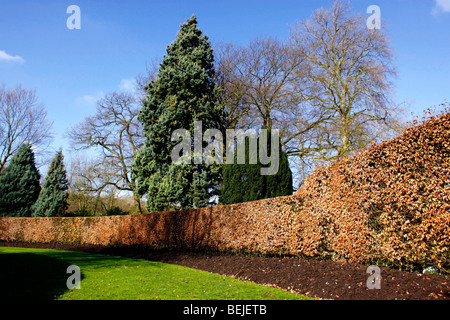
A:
<point x="316" y="278"/>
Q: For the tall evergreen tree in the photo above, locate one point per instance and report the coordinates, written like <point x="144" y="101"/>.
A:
<point x="182" y="92"/>
<point x="52" y="199"/>
<point x="19" y="184"/>
<point x="279" y="184"/>
<point x="244" y="182"/>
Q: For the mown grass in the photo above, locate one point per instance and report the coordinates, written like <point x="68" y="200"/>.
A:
<point x="27" y="273"/>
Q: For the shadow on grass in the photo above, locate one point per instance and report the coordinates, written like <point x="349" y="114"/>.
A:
<point x="32" y="276"/>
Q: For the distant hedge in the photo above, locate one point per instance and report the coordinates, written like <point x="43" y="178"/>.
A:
<point x="389" y="205"/>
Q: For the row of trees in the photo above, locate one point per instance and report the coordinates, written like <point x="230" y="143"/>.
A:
<point x="23" y="120"/>
<point x="21" y="194"/>
<point x="134" y="136"/>
<point x="327" y="89"/>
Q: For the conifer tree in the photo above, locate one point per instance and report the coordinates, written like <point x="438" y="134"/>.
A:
<point x="279" y="184"/>
<point x="19" y="184"/>
<point x="244" y="182"/>
<point x="182" y="92"/>
<point x="52" y="199"/>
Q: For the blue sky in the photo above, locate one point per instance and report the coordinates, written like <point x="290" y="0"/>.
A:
<point x="71" y="69"/>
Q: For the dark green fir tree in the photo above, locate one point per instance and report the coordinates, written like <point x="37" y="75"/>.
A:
<point x="52" y="201"/>
<point x="183" y="92"/>
<point x="279" y="184"/>
<point x="19" y="184"/>
<point x="244" y="182"/>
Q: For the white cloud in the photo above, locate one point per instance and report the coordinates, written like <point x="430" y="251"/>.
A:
<point x="128" y="85"/>
<point x="9" y="58"/>
<point x="89" y="100"/>
<point x="441" y="6"/>
<point x="86" y="100"/>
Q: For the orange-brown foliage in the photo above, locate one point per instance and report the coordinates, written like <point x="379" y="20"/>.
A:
<point x="388" y="205"/>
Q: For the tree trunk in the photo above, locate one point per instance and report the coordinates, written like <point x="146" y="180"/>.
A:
<point x="137" y="204"/>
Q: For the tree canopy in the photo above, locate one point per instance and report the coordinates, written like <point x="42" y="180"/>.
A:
<point x="19" y="184"/>
<point x="244" y="182"/>
<point x="23" y="119"/>
<point x="52" y="200"/>
<point x="182" y="93"/>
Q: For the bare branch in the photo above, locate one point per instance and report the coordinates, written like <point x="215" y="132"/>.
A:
<point x="116" y="131"/>
<point x="22" y="119"/>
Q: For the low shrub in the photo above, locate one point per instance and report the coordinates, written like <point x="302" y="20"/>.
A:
<point x="82" y="213"/>
<point x="116" y="211"/>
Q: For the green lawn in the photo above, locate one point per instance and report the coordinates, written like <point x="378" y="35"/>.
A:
<point x="42" y="274"/>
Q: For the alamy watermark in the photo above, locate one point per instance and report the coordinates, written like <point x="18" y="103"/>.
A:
<point x="190" y="149"/>
<point x="74" y="20"/>
<point x="374" y="21"/>
<point x="374" y="280"/>
<point x="74" y="281"/>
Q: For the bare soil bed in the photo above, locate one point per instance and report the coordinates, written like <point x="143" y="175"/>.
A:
<point x="312" y="277"/>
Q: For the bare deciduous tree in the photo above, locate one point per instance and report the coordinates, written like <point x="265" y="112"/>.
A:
<point x="328" y="89"/>
<point x="233" y="83"/>
<point x="118" y="134"/>
<point x="142" y="80"/>
<point x="347" y="74"/>
<point x="89" y="188"/>
<point x="22" y="119"/>
<point x="256" y="82"/>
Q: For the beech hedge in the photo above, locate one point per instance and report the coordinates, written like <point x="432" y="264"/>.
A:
<point x="388" y="205"/>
